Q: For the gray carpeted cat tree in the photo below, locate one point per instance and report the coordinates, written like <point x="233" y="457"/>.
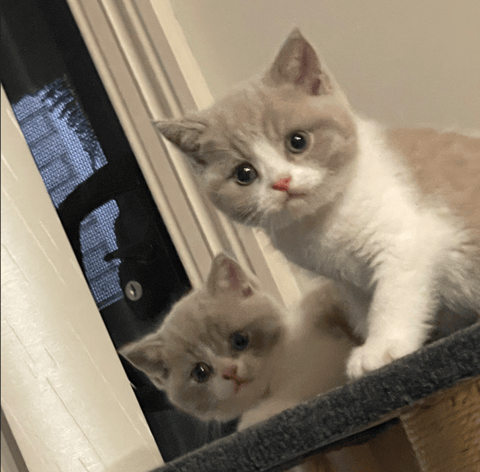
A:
<point x="434" y="394"/>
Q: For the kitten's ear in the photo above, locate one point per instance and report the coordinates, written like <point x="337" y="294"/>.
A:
<point x="226" y="276"/>
<point x="146" y="355"/>
<point x="185" y="133"/>
<point x="297" y="63"/>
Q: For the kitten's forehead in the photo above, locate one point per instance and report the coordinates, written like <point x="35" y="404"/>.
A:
<point x="240" y="114"/>
<point x="195" y="328"/>
<point x="200" y="326"/>
<point x="254" y="109"/>
<point x="255" y="112"/>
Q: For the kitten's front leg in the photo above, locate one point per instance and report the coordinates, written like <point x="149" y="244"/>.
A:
<point x="398" y="321"/>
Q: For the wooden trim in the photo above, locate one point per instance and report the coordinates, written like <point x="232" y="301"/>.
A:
<point x="444" y="428"/>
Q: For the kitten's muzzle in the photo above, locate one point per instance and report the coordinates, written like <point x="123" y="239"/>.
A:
<point x="230" y="373"/>
<point x="283" y="185"/>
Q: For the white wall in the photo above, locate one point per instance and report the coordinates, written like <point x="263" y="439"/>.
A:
<point x="403" y="62"/>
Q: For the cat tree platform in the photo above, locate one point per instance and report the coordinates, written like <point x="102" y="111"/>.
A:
<point x="434" y="394"/>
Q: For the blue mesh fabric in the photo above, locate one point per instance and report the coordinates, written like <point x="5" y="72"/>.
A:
<point x="67" y="153"/>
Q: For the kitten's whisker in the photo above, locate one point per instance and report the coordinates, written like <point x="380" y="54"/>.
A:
<point x="255" y="217"/>
<point x="249" y="214"/>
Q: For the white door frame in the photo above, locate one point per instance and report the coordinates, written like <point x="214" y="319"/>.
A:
<point x="149" y="73"/>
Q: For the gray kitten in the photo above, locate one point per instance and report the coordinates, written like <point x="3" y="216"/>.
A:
<point x="392" y="215"/>
<point x="228" y="349"/>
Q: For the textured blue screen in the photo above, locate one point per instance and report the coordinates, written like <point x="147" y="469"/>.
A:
<point x="66" y="152"/>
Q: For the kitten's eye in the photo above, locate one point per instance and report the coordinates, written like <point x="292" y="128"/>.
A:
<point x="201" y="372"/>
<point x="239" y="341"/>
<point x="245" y="174"/>
<point x="297" y="142"/>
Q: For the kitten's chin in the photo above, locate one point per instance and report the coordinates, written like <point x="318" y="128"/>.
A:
<point x="293" y="210"/>
<point x="298" y="207"/>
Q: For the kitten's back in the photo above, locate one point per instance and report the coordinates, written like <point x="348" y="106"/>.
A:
<point x="445" y="165"/>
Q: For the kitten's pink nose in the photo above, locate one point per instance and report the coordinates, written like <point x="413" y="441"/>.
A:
<point x="282" y="184"/>
<point x="230" y="373"/>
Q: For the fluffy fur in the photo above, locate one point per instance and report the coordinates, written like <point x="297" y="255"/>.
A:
<point x="287" y="359"/>
<point x="393" y="216"/>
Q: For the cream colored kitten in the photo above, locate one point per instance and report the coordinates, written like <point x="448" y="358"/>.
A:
<point x="228" y="350"/>
<point x="392" y="215"/>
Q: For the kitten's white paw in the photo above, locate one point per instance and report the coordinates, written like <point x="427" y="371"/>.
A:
<point x="373" y="355"/>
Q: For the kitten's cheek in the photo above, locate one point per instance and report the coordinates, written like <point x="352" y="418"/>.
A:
<point x="274" y="203"/>
<point x="297" y="207"/>
<point x="223" y="388"/>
